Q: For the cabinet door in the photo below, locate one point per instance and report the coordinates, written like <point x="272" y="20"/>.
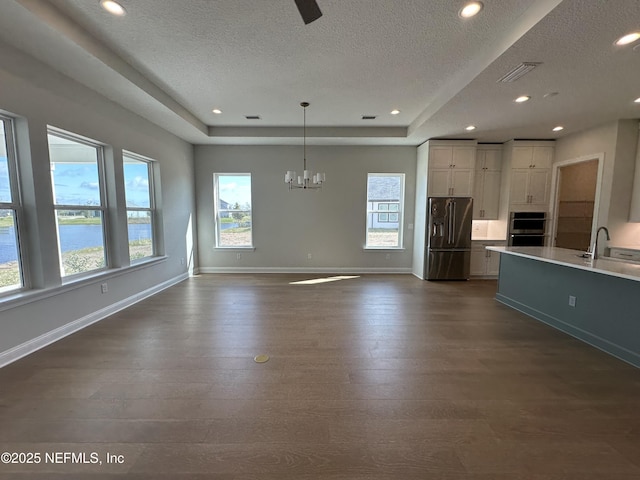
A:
<point x="478" y="263"/>
<point x="490" y="194"/>
<point x="522" y="157"/>
<point x="492" y="159"/>
<point x="464" y="157"/>
<point x="462" y="182"/>
<point x="440" y="157"/>
<point x="542" y="157"/>
<point x="493" y="263"/>
<point x="439" y="182"/>
<point x="519" y="186"/>
<point x="539" y="185"/>
<point x="478" y="195"/>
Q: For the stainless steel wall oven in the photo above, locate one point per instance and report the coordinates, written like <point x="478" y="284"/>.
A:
<point x="527" y="229"/>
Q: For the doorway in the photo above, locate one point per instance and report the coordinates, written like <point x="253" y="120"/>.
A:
<point x="576" y="204"/>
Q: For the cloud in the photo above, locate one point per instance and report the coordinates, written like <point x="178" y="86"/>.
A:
<point x="228" y="186"/>
<point x="90" y="185"/>
<point x="73" y="172"/>
<point x="138" y="183"/>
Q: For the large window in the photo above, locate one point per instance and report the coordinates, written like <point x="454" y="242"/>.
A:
<point x="232" y="192"/>
<point x="385" y="200"/>
<point x="139" y="192"/>
<point x="11" y="275"/>
<point x="77" y="181"/>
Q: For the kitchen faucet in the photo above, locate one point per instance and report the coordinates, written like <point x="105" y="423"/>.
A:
<point x="594" y="253"/>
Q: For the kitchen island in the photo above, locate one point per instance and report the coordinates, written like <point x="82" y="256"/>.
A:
<point x="596" y="301"/>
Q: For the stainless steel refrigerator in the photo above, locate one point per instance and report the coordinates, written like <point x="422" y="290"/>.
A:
<point x="448" y="252"/>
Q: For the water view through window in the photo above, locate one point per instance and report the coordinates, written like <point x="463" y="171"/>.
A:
<point x="138" y="187"/>
<point x="76" y="180"/>
<point x="10" y="267"/>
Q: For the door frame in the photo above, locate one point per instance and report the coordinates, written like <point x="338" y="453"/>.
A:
<point x="555" y="182"/>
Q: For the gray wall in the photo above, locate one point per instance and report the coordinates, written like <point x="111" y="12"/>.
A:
<point x="41" y="97"/>
<point x="287" y="226"/>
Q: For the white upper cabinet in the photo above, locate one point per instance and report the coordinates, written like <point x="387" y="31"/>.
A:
<point x="486" y="189"/>
<point x="451" y="170"/>
<point x="532" y="157"/>
<point x="530" y="176"/>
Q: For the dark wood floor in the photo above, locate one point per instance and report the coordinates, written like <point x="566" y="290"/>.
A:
<point x="376" y="377"/>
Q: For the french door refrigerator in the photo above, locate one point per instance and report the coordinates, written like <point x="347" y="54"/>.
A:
<point x="448" y="252"/>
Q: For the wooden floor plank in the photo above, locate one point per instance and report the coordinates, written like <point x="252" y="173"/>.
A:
<point x="374" y="377"/>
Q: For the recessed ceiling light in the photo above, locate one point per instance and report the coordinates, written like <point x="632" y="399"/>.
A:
<point x="523" y="98"/>
<point x="470" y="9"/>
<point x="217" y="111"/>
<point x="470" y="127"/>
<point x="637" y="100"/>
<point x="113" y="7"/>
<point x="558" y="128"/>
<point x="395" y="111"/>
<point x="629" y="38"/>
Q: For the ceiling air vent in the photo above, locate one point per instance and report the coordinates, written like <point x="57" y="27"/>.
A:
<point x="518" y="72"/>
<point x="252" y="117"/>
<point x="368" y="117"/>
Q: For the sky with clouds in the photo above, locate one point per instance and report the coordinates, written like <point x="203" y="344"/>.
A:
<point x="235" y="188"/>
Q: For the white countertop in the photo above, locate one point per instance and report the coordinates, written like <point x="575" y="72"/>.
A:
<point x="571" y="258"/>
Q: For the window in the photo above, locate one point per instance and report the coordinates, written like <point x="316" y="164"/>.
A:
<point x="77" y="182"/>
<point x="232" y="192"/>
<point x="140" y="197"/>
<point x="385" y="199"/>
<point x="11" y="274"/>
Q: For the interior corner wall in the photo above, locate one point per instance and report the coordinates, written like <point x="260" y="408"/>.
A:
<point x="626" y="233"/>
<point x="602" y="139"/>
<point x="289" y="225"/>
<point x="41" y="97"/>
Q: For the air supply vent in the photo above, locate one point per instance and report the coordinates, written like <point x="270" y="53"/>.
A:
<point x="368" y="117"/>
<point x="518" y="72"/>
<point x="252" y="117"/>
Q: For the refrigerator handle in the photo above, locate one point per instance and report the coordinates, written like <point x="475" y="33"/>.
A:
<point x="452" y="221"/>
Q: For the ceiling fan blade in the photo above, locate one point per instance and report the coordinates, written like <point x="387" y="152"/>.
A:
<point x="309" y="10"/>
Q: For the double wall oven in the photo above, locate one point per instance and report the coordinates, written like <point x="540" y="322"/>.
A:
<point x="527" y="229"/>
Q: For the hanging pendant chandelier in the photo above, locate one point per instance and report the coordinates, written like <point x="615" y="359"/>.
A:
<point x="308" y="179"/>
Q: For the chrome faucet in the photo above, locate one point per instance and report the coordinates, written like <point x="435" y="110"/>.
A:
<point x="594" y="253"/>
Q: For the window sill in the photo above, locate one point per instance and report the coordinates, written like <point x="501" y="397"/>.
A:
<point x="378" y="249"/>
<point x="25" y="296"/>
<point x="232" y="248"/>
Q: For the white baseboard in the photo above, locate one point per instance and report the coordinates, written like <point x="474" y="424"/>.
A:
<point x="26" y="348"/>
<point x="323" y="270"/>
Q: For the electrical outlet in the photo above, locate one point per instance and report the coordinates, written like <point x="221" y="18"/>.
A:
<point x="410" y="227"/>
<point x="238" y="256"/>
<point x="182" y="261"/>
<point x="572" y="301"/>
<point x="387" y="256"/>
<point x="309" y="256"/>
<point x="104" y="288"/>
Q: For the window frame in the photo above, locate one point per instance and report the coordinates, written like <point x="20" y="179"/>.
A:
<point x="102" y="208"/>
<point x="152" y="210"/>
<point x="218" y="210"/>
<point x="373" y="210"/>
<point x="15" y="205"/>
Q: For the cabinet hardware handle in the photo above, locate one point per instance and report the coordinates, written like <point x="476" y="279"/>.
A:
<point x="625" y="255"/>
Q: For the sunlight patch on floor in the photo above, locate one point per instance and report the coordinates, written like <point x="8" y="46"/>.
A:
<point x="314" y="281"/>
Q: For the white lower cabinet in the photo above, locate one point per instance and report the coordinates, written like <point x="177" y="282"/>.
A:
<point x="485" y="263"/>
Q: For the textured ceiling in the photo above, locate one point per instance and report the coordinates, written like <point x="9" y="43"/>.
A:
<point x="172" y="62"/>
